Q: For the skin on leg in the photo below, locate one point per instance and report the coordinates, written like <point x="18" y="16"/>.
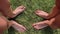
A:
<point x="43" y="24"/>
<point x="7" y="11"/>
<point x="6" y="24"/>
<point x="55" y="10"/>
<point x="51" y="23"/>
<point x="54" y="21"/>
<point x="45" y="15"/>
<point x="1" y="33"/>
<point x="53" y="13"/>
<point x="57" y="2"/>
<point x="3" y="24"/>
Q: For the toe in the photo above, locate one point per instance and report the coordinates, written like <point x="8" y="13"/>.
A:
<point x="39" y="12"/>
<point x="37" y="27"/>
<point x="33" y="25"/>
<point x="23" y="29"/>
<point x="22" y="7"/>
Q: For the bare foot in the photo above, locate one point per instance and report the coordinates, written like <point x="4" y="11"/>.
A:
<point x="18" y="10"/>
<point x="41" y="13"/>
<point x="18" y="27"/>
<point x="40" y="25"/>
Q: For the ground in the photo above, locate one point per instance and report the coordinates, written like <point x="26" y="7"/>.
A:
<point x="28" y="17"/>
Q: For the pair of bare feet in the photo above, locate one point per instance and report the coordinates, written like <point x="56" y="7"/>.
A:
<point x="14" y="24"/>
<point x="41" y="25"/>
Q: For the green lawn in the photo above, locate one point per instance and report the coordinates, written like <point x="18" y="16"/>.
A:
<point x="28" y="17"/>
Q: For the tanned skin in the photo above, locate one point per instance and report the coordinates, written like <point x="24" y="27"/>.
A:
<point x="7" y="11"/>
<point x="53" y="19"/>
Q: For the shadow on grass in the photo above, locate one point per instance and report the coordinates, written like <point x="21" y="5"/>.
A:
<point x="11" y="31"/>
<point x="47" y="30"/>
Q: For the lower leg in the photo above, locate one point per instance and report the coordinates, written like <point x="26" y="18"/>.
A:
<point x="2" y="32"/>
<point x="43" y="24"/>
<point x="45" y="15"/>
<point x="5" y="24"/>
<point x="11" y="14"/>
<point x="7" y="11"/>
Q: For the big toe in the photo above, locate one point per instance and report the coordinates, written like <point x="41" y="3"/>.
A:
<point x="22" y="7"/>
<point x="22" y="29"/>
<point x="37" y="27"/>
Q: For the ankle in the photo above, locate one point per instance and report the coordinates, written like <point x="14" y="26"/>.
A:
<point x="47" y="21"/>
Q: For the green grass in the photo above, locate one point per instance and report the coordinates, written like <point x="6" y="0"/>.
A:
<point x="28" y="17"/>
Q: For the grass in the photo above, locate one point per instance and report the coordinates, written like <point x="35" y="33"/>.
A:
<point x="28" y="17"/>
